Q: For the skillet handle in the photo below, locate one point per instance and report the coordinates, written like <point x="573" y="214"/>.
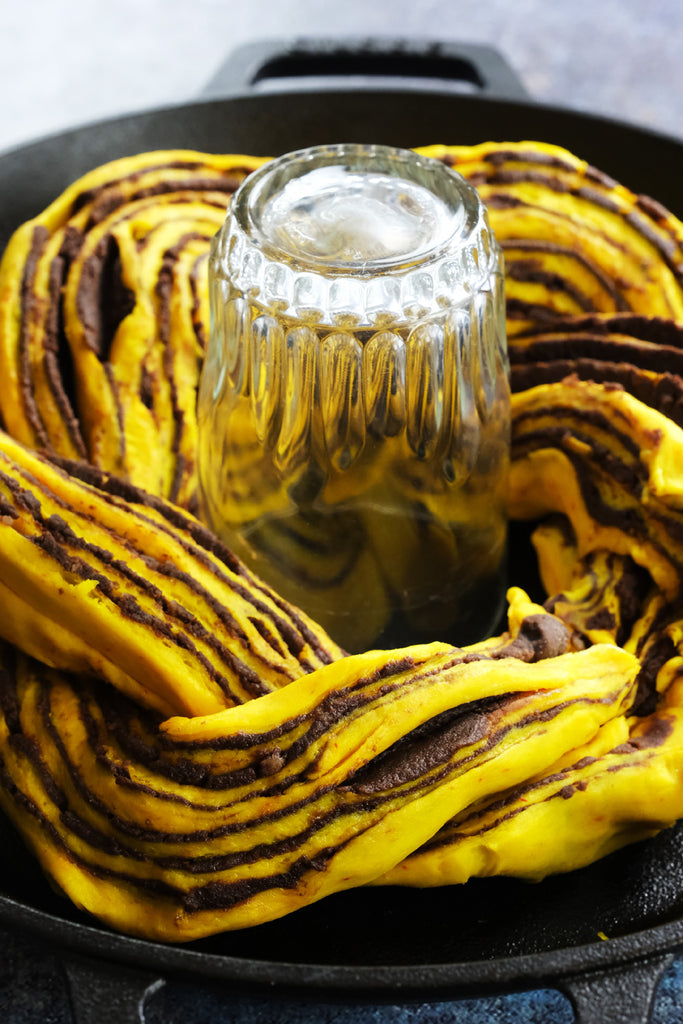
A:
<point x="108" y="994"/>
<point x="620" y="995"/>
<point x="346" y="63"/>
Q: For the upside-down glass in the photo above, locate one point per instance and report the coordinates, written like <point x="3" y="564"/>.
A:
<point x="354" y="408"/>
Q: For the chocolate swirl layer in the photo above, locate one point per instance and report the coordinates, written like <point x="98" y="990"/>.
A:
<point x="104" y="318"/>
<point x="565" y="819"/>
<point x="576" y="242"/>
<point x="299" y="771"/>
<point x="227" y="821"/>
<point x="109" y="580"/>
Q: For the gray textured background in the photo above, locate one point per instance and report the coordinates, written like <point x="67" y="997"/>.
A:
<point x="66" y="62"/>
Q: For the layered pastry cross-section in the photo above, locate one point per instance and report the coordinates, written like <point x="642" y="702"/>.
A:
<point x="184" y="751"/>
<point x="575" y="240"/>
<point x="198" y="825"/>
<point x="114" y="582"/>
<point x="104" y="316"/>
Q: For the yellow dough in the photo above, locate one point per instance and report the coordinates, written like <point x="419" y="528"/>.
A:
<point x="182" y="750"/>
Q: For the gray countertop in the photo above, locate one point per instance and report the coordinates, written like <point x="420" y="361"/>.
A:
<point x="69" y="62"/>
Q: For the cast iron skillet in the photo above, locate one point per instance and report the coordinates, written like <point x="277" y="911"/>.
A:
<point x="381" y="944"/>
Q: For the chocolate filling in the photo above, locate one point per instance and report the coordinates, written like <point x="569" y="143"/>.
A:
<point x="540" y="636"/>
<point x="28" y="316"/>
<point x="608" y="285"/>
<point x="103" y="300"/>
<point x="293" y="630"/>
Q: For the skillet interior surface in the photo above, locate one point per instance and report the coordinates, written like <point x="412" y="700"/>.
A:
<point x="489" y="921"/>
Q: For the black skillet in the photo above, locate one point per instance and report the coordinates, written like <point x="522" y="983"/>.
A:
<point x="393" y="944"/>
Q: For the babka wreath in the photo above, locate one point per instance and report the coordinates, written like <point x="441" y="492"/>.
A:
<point x="186" y="753"/>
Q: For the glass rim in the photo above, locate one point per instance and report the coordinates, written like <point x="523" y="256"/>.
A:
<point x="400" y="163"/>
<point x="401" y="289"/>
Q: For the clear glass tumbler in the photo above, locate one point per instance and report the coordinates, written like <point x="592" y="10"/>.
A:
<point x="354" y="408"/>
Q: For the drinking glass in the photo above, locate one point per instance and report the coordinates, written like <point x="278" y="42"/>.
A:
<point x="354" y="407"/>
